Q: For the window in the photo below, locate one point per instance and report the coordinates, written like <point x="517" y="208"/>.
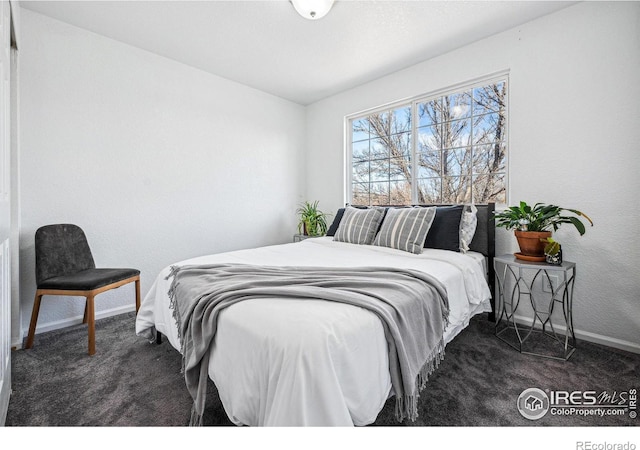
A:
<point x="445" y="148"/>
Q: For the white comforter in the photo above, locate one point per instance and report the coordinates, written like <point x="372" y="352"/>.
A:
<point x="279" y="362"/>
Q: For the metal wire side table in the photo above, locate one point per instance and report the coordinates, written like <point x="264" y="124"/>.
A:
<point x="516" y="280"/>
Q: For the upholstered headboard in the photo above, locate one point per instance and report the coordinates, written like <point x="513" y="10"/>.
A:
<point x="484" y="241"/>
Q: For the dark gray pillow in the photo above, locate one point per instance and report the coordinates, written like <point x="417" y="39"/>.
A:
<point x="444" y="233"/>
<point x="336" y="221"/>
<point x="359" y="226"/>
<point x="405" y="228"/>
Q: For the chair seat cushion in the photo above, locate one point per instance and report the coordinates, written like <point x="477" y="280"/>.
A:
<point x="88" y="280"/>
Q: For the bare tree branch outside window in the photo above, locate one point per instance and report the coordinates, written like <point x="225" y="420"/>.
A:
<point x="458" y="148"/>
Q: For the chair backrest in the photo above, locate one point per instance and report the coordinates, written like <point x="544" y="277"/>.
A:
<point x="61" y="249"/>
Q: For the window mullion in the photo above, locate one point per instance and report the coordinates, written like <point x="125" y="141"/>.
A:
<point x="414" y="153"/>
<point x="441" y="149"/>
<point x="471" y="145"/>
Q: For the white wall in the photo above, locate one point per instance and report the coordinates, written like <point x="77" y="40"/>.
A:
<point x="574" y="134"/>
<point x="157" y="161"/>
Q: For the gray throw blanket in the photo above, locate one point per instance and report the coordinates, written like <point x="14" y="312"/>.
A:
<point x="412" y="306"/>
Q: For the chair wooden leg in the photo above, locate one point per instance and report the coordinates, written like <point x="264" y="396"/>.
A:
<point x="137" y="295"/>
<point x="34" y="319"/>
<point x="91" y="321"/>
<point x="84" y="317"/>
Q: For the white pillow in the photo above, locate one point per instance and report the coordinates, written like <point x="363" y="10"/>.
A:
<point x="468" y="225"/>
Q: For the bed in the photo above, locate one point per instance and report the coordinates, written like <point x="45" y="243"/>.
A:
<point x="311" y="362"/>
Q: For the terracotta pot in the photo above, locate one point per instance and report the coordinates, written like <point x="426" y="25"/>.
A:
<point x="531" y="247"/>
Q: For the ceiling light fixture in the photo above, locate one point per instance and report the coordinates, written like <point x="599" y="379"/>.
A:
<point x="312" y="9"/>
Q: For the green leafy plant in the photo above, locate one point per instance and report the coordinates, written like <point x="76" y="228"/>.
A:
<point x="539" y="217"/>
<point x="312" y="221"/>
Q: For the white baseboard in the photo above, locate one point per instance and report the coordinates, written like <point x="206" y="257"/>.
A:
<point x="607" y="341"/>
<point x="51" y="326"/>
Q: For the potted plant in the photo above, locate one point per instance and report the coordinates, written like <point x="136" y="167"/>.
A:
<point x="534" y="224"/>
<point x="312" y="221"/>
<point x="552" y="251"/>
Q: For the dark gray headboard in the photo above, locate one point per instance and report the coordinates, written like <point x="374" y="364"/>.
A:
<point x="484" y="241"/>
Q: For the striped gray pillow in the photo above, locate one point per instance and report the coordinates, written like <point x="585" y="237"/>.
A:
<point x="405" y="228"/>
<point x="359" y="226"/>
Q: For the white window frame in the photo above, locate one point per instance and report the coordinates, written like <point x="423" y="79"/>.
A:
<point x="413" y="103"/>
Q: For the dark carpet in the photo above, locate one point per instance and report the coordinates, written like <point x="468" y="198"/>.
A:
<point x="131" y="382"/>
